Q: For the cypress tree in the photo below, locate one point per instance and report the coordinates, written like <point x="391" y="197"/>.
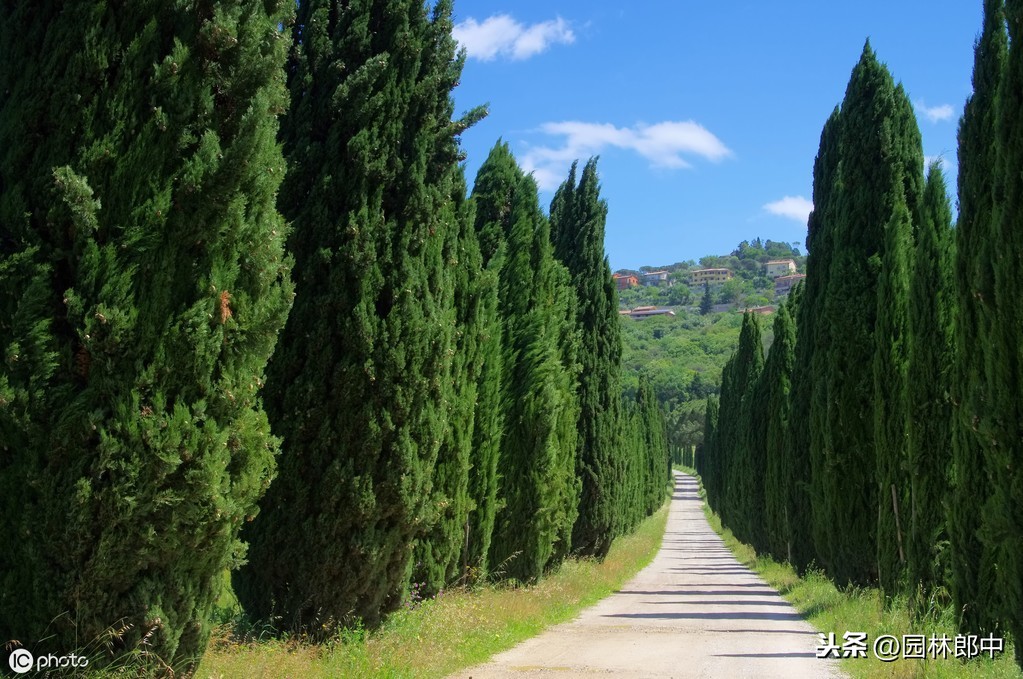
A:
<point x="706" y="454"/>
<point x="437" y="554"/>
<point x="360" y="388"/>
<point x="706" y="303"/>
<point x="653" y="451"/>
<point x="880" y="162"/>
<point x="142" y="283"/>
<point x="487" y="427"/>
<point x="809" y="388"/>
<point x="780" y="478"/>
<point x="1002" y="531"/>
<point x="538" y="489"/>
<point x="891" y="398"/>
<point x="739" y="376"/>
<point x="578" y="215"/>
<point x="930" y="365"/>
<point x="975" y="245"/>
<point x="746" y="473"/>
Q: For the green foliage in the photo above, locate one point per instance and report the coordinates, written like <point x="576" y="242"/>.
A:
<point x="578" y="215"/>
<point x="142" y="283"/>
<point x="810" y="389"/>
<point x="437" y="553"/>
<point x="781" y="479"/>
<point x="488" y="425"/>
<point x="538" y="490"/>
<point x="880" y="161"/>
<point x="979" y="188"/>
<point x="360" y="389"/>
<point x="739" y="460"/>
<point x="891" y="356"/>
<point x="1002" y="515"/>
<point x="707" y="303"/>
<point x="929" y="455"/>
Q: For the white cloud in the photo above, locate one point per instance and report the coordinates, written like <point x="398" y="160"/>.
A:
<point x="501" y="35"/>
<point x="935" y="113"/>
<point x="663" y="144"/>
<point x="792" y="207"/>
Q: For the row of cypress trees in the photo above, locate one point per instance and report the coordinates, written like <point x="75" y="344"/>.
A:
<point x="442" y="396"/>
<point x="886" y="425"/>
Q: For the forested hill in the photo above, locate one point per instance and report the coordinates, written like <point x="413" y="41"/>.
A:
<point x="682" y="355"/>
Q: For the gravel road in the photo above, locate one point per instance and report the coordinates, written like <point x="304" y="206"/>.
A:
<point x="693" y="612"/>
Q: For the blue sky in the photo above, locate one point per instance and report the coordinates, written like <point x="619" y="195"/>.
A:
<point x="706" y="115"/>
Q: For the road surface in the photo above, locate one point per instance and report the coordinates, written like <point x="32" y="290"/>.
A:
<point x="693" y="612"/>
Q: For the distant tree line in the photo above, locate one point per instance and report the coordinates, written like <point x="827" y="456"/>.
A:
<point x="881" y="438"/>
<point x="250" y="320"/>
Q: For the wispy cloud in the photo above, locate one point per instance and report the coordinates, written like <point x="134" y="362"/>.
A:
<point x="793" y="207"/>
<point x="501" y="35"/>
<point x="935" y="114"/>
<point x="664" y="144"/>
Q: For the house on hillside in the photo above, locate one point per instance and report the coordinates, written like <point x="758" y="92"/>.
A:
<point x="780" y="267"/>
<point x="646" y="311"/>
<point x="711" y="277"/>
<point x="759" y="310"/>
<point x="784" y="284"/>
<point x="624" y="281"/>
<point x="655" y="278"/>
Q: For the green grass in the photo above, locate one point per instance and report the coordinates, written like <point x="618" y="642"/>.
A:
<point x="456" y="630"/>
<point x="830" y="609"/>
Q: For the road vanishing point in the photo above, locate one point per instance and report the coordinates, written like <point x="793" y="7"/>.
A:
<point x="695" y="611"/>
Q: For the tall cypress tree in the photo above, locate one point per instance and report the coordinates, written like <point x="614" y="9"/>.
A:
<point x="745" y="471"/>
<point x="708" y="451"/>
<point x="438" y="553"/>
<point x="1003" y="512"/>
<point x="653" y="453"/>
<point x="578" y="215"/>
<point x="737" y="382"/>
<point x="780" y="478"/>
<point x="360" y="388"/>
<point x="930" y="364"/>
<point x="879" y="153"/>
<point x="809" y="388"/>
<point x="142" y="283"/>
<point x="488" y="423"/>
<point x="891" y="340"/>
<point x="976" y="247"/>
<point x="538" y="489"/>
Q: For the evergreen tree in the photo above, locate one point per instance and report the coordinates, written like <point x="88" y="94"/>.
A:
<point x="360" y="388"/>
<point x="930" y="365"/>
<point x="738" y="377"/>
<point x="706" y="454"/>
<point x="653" y="452"/>
<point x="780" y="477"/>
<point x="976" y="248"/>
<point x="880" y="161"/>
<point x="538" y="489"/>
<point x="1002" y="530"/>
<point x="744" y="473"/>
<point x="809" y="388"/>
<point x="438" y="553"/>
<point x="487" y="427"/>
<point x="578" y="215"/>
<point x="891" y="339"/>
<point x="707" y="303"/>
<point x="143" y="284"/>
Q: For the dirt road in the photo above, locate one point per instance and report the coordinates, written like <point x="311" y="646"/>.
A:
<point x="693" y="612"/>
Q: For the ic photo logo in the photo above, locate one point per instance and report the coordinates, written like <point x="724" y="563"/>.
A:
<point x="22" y="661"/>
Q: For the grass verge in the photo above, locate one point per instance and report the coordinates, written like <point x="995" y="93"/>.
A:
<point x="456" y="630"/>
<point x="830" y="609"/>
